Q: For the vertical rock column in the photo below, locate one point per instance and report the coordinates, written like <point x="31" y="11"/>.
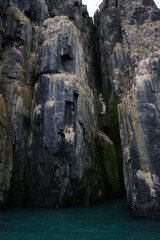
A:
<point x="139" y="126"/>
<point x="17" y="73"/>
<point x="129" y="38"/>
<point x="63" y="114"/>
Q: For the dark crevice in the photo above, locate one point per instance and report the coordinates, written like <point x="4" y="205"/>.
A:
<point x="116" y="3"/>
<point x="67" y="63"/>
<point x="68" y="113"/>
<point x="71" y="18"/>
<point x="28" y="14"/>
<point x="107" y="131"/>
<point x="76" y="4"/>
<point x="66" y="57"/>
<point x="96" y="55"/>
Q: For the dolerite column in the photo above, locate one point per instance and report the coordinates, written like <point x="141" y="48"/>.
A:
<point x="63" y="114"/>
<point x="129" y="42"/>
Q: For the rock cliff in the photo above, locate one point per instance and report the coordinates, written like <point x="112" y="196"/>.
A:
<point x="129" y="34"/>
<point x="72" y="95"/>
<point x="51" y="152"/>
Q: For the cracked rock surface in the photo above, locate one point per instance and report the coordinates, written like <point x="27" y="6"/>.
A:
<point x="49" y="141"/>
<point x="76" y="96"/>
<point x="129" y="36"/>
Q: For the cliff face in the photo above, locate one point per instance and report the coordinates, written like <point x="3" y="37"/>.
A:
<point x="63" y="114"/>
<point x="129" y="41"/>
<point x="51" y="152"/>
<point x="71" y="95"/>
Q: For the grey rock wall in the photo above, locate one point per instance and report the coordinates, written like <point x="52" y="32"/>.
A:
<point x="48" y="148"/>
<point x="129" y="40"/>
<point x="59" y="137"/>
<point x="18" y="64"/>
<point x="139" y="123"/>
<point x="63" y="114"/>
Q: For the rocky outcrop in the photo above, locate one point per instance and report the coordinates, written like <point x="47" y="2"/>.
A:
<point x="49" y="141"/>
<point x="139" y="113"/>
<point x="71" y="94"/>
<point x="63" y="114"/>
<point x="19" y="46"/>
<point x="129" y="40"/>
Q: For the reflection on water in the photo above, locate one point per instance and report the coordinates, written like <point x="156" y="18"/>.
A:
<point x="110" y="221"/>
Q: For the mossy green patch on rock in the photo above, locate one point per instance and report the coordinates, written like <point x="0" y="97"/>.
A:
<point x="103" y="179"/>
<point x="108" y="163"/>
<point x="111" y="119"/>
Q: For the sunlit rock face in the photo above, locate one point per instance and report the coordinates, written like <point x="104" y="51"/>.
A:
<point x="129" y="36"/>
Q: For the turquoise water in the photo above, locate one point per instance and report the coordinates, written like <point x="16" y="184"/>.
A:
<point x="110" y="221"/>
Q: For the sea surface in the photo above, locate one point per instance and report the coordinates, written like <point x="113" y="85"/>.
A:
<point x="110" y="221"/>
